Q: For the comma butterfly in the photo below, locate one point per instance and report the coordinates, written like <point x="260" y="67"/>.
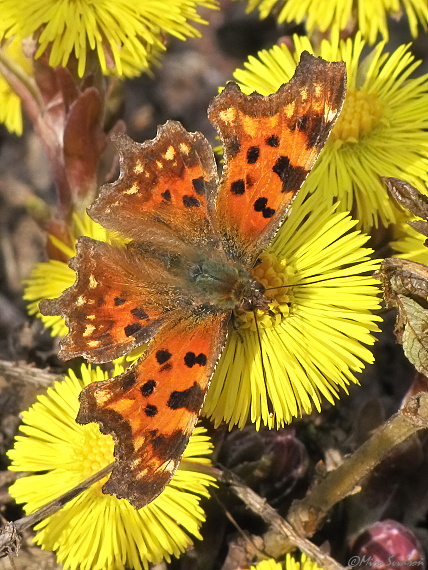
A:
<point x="193" y="244"/>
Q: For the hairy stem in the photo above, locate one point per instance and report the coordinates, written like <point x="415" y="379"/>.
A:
<point x="9" y="534"/>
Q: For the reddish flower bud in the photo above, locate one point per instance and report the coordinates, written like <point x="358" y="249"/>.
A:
<point x="387" y="545"/>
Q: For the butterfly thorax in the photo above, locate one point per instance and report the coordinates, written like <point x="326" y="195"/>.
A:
<point x="226" y="285"/>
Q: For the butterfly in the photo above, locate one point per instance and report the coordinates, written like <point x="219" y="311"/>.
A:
<point x="193" y="242"/>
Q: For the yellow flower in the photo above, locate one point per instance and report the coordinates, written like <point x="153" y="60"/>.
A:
<point x="49" y="279"/>
<point x="371" y="17"/>
<point x="382" y="131"/>
<point x="123" y="36"/>
<point x="10" y="103"/>
<point x="318" y="298"/>
<point x="310" y="342"/>
<point x="290" y="563"/>
<point x="96" y="531"/>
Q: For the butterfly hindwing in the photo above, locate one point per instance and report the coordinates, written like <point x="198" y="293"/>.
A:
<point x="270" y="144"/>
<point x="110" y="310"/>
<point x="151" y="409"/>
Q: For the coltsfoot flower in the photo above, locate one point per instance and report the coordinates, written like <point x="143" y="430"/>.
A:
<point x="123" y="37"/>
<point x="370" y="18"/>
<point x="96" y="531"/>
<point x="282" y="362"/>
<point x="382" y="130"/>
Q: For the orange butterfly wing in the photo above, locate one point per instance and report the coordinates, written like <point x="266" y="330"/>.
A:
<point x="270" y="144"/>
<point x="122" y="295"/>
<point x="165" y="187"/>
<point x="151" y="409"/>
<point x="109" y="310"/>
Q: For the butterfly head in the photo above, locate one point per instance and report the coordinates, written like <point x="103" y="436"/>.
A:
<point x="253" y="296"/>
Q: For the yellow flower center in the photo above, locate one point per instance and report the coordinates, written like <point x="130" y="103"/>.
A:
<point x="95" y="453"/>
<point x="274" y="274"/>
<point x="360" y="115"/>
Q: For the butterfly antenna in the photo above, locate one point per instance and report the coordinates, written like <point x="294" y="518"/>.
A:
<point x="300" y="284"/>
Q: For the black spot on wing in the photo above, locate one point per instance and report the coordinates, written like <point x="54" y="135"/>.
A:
<point x="150" y="410"/>
<point x="119" y="301"/>
<point x="253" y="154"/>
<point x="148" y="388"/>
<point x="282" y="167"/>
<point x="291" y="176"/>
<point x="268" y="212"/>
<point x="166" y="195"/>
<point x="237" y="187"/>
<point x="260" y="205"/>
<point x="191" y="399"/>
<point x="132" y="329"/>
<point x="199" y="185"/>
<point x="272" y="141"/>
<point x="190" y="359"/>
<point x="163" y="356"/>
<point x="191" y="202"/>
<point x="140" y="314"/>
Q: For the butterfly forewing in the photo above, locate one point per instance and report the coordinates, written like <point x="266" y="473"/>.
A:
<point x="168" y="181"/>
<point x="151" y="409"/>
<point x="270" y="144"/>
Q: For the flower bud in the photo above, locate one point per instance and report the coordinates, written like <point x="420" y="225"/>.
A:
<point x="387" y="545"/>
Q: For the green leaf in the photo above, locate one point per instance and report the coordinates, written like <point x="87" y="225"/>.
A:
<point x="415" y="334"/>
